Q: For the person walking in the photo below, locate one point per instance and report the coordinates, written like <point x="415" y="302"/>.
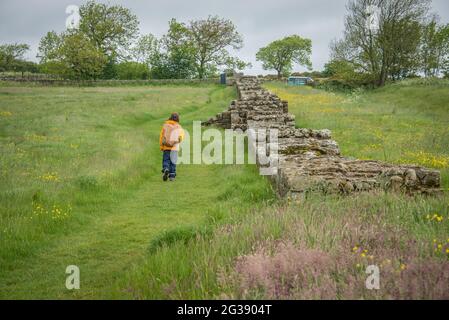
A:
<point x="170" y="138"/>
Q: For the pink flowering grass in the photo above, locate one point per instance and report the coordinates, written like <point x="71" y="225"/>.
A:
<point x="318" y="248"/>
<point x="323" y="253"/>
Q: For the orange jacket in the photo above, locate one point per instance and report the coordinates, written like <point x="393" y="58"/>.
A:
<point x="179" y="132"/>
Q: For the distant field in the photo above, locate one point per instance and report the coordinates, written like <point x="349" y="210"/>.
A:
<point x="80" y="184"/>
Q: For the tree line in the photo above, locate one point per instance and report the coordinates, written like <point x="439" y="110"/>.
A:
<point x="107" y="45"/>
<point x="12" y="58"/>
<point x="404" y="39"/>
<point x="382" y="41"/>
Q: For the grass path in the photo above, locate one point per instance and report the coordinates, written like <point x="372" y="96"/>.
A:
<point x="109" y="245"/>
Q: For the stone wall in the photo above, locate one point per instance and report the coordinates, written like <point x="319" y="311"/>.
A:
<point x="309" y="160"/>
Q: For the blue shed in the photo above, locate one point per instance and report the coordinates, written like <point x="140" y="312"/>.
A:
<point x="299" y="81"/>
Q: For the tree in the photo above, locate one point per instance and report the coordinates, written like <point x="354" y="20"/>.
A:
<point x="111" y="28"/>
<point x="434" y="48"/>
<point x="386" y="50"/>
<point x="49" y="46"/>
<point x="171" y="65"/>
<point x="399" y="36"/>
<point x="197" y="49"/>
<point x="280" y="55"/>
<point x="234" y="64"/>
<point x="174" y="58"/>
<point x="405" y="60"/>
<point x="54" y="68"/>
<point x="11" y="55"/>
<point x="105" y="34"/>
<point x="146" y="47"/>
<point x="343" y="75"/>
<point x="339" y="68"/>
<point x="210" y="39"/>
<point x="443" y="56"/>
<point x="80" y="58"/>
<point x="26" y="66"/>
<point x="132" y="71"/>
<point x="71" y="55"/>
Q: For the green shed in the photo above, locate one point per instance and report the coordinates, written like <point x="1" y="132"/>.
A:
<point x="299" y="81"/>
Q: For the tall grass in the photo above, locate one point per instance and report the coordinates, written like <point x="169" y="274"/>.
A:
<point x="316" y="249"/>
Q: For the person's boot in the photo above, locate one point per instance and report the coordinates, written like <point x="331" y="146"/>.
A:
<point x="172" y="179"/>
<point x="165" y="176"/>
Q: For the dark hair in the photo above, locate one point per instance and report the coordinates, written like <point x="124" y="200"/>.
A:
<point x="174" y="117"/>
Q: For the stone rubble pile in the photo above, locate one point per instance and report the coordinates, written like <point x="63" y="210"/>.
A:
<point x="309" y="160"/>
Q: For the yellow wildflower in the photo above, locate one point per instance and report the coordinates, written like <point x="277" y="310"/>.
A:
<point x="5" y="114"/>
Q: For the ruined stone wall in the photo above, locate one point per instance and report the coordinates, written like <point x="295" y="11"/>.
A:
<point x="309" y="160"/>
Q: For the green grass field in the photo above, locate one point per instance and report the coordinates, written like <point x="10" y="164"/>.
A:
<point x="81" y="184"/>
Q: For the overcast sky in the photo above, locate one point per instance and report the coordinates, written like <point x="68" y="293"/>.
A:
<point x="259" y="21"/>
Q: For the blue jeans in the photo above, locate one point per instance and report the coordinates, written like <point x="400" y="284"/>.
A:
<point x="169" y="160"/>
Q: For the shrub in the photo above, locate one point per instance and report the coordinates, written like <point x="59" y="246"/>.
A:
<point x="132" y="71"/>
